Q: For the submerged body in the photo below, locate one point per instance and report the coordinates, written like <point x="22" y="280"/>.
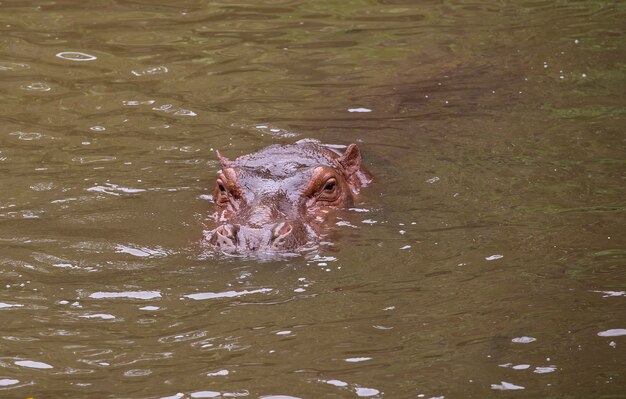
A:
<point x="276" y="199"/>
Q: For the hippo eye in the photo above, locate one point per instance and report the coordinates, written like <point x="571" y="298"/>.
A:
<point x="329" y="191"/>
<point x="221" y="187"/>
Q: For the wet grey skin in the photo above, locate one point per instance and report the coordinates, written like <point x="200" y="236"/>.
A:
<point x="276" y="199"/>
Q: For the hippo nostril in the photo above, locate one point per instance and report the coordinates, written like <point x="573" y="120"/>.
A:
<point x="227" y="234"/>
<point x="281" y="230"/>
<point x="281" y="233"/>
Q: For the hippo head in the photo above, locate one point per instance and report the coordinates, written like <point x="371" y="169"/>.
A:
<point x="276" y="199"/>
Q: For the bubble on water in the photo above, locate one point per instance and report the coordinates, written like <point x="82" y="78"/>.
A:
<point x="76" y="56"/>
<point x="433" y="180"/>
<point x="607" y="294"/>
<point x="544" y="370"/>
<point x="405" y="247"/>
<point x="521" y="367"/>
<point x="137" y="102"/>
<point x="365" y="392"/>
<point x="13" y="66"/>
<point x="33" y="365"/>
<point x="218" y="373"/>
<point x="286" y="332"/>
<point x="337" y="383"/>
<point x="98" y="128"/>
<point x="494" y="257"/>
<point x="164" y="108"/>
<point x="103" y="316"/>
<point x="185" y="112"/>
<point x="357" y="359"/>
<point x="30" y="214"/>
<point x="615" y="332"/>
<point x="523" y="340"/>
<point x="359" y="110"/>
<point x="149" y="308"/>
<point x="506" y="386"/>
<point x="154" y="70"/>
<point x="36" y="86"/>
<point x="7" y="381"/>
<point x="114" y="189"/>
<point x="369" y="221"/>
<point x="206" y="394"/>
<point x="42" y="186"/>
<point x="137" y="373"/>
<point x="318" y="258"/>
<point x="4" y="305"/>
<point x="27" y="136"/>
<point x="227" y="294"/>
<point x="126" y="294"/>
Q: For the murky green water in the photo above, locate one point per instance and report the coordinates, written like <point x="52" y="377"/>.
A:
<point x="490" y="261"/>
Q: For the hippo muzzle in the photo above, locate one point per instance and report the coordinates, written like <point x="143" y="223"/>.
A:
<point x="282" y="236"/>
<point x="275" y="200"/>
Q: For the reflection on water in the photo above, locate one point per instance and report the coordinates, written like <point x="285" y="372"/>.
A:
<point x="485" y="260"/>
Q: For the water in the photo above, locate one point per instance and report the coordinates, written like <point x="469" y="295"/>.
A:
<point x="485" y="261"/>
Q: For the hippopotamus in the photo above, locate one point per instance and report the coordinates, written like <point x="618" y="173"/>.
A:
<point x="276" y="199"/>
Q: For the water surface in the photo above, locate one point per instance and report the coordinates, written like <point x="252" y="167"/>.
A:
<point x="487" y="259"/>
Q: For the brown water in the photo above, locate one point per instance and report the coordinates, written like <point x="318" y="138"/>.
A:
<point x="490" y="261"/>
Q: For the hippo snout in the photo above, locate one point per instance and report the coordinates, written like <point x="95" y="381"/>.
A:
<point x="271" y="237"/>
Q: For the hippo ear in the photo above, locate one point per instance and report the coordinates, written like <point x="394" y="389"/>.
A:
<point x="225" y="162"/>
<point x="351" y="160"/>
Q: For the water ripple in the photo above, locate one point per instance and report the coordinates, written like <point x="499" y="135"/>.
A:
<point x="127" y="294"/>
<point x="226" y="294"/>
<point x="76" y="56"/>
